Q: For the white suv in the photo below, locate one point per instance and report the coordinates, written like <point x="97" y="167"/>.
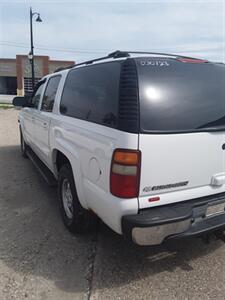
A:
<point x="137" y="139"/>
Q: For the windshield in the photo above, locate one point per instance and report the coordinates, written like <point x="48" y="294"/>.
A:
<point x="177" y="96"/>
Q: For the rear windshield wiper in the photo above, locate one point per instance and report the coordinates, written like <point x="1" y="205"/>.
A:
<point x="213" y="128"/>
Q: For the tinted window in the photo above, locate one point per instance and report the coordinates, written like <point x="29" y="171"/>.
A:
<point x="50" y="92"/>
<point x="177" y="96"/>
<point x="37" y="96"/>
<point x="91" y="93"/>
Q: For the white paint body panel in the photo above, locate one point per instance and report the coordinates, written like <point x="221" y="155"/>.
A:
<point x="173" y="158"/>
<point x="83" y="142"/>
<point x="27" y="124"/>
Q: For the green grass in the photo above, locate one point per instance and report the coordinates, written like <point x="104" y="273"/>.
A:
<point x="5" y="106"/>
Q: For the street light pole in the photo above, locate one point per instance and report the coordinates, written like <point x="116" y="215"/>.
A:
<point x="32" y="49"/>
<point x="31" y="54"/>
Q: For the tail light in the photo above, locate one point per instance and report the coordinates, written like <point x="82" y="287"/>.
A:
<point x="192" y="60"/>
<point x="125" y="173"/>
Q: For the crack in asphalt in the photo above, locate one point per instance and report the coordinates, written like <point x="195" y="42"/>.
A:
<point x="91" y="266"/>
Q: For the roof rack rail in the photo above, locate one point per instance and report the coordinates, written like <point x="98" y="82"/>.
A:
<point x="160" y="53"/>
<point x="119" y="54"/>
<point x="115" y="54"/>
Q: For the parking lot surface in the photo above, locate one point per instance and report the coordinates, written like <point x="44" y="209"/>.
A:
<point x="40" y="259"/>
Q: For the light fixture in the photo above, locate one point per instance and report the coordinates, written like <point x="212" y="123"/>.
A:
<point x="30" y="56"/>
<point x="38" y="18"/>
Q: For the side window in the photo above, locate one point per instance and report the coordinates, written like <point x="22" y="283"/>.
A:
<point x="37" y="96"/>
<point x="91" y="93"/>
<point x="50" y="92"/>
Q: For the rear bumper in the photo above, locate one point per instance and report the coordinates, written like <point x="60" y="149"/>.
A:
<point x="154" y="225"/>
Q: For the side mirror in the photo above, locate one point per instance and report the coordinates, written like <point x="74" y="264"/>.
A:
<point x="21" y="101"/>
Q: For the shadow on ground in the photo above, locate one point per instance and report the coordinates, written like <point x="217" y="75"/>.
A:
<point x="35" y="243"/>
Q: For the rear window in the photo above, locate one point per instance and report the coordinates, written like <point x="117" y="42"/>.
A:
<point x="176" y="96"/>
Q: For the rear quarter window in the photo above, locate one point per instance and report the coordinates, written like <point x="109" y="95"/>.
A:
<point x="176" y="96"/>
<point x="91" y="93"/>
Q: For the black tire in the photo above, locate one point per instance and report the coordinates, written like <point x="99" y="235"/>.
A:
<point x="80" y="219"/>
<point x="23" y="145"/>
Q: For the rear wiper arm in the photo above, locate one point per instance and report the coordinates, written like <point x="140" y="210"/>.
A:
<point x="214" y="128"/>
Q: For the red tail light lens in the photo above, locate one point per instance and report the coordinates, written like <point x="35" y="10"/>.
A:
<point x="125" y="173"/>
<point x="192" y="60"/>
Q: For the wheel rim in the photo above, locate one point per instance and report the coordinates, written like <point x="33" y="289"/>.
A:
<point x="67" y="198"/>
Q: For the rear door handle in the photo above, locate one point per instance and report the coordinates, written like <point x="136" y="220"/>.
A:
<point x="45" y="125"/>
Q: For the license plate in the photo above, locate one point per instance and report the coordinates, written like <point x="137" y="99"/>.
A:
<point x="215" y="209"/>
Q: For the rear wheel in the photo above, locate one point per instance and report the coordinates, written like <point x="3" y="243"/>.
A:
<point x="75" y="217"/>
<point x="23" y="145"/>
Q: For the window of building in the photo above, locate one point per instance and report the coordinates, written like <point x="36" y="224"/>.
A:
<point x="28" y="87"/>
<point x="8" y="85"/>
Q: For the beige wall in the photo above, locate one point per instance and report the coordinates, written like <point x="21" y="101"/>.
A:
<point x="8" y="68"/>
<point x="55" y="65"/>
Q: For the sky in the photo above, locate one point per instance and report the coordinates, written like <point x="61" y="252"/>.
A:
<point x="80" y="30"/>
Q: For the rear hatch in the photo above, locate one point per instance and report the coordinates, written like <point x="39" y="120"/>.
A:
<point x="182" y="123"/>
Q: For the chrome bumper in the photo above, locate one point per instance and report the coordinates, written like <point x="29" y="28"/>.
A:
<point x="155" y="235"/>
<point x="154" y="225"/>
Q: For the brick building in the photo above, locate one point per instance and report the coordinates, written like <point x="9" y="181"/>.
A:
<point x="15" y="74"/>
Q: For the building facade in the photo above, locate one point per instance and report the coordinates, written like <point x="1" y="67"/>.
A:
<point x="15" y="74"/>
